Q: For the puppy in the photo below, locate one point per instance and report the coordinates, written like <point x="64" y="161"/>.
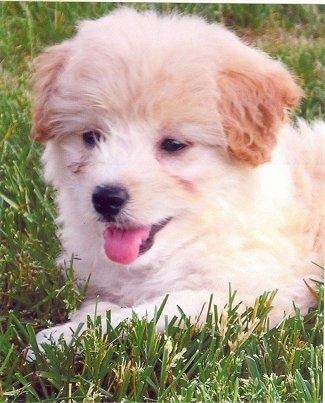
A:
<point x="177" y="170"/>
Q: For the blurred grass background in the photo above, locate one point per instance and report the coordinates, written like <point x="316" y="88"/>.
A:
<point x="281" y="365"/>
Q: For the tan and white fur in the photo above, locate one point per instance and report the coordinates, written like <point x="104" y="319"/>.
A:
<point x="191" y="124"/>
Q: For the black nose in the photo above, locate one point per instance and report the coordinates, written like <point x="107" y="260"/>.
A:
<point x="108" y="201"/>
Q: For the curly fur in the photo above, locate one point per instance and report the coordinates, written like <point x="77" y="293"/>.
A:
<point x="241" y="203"/>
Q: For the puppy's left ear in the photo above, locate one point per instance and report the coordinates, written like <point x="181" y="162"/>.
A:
<point x="254" y="100"/>
<point x="47" y="68"/>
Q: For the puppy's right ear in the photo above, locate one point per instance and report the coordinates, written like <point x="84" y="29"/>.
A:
<point x="47" y="68"/>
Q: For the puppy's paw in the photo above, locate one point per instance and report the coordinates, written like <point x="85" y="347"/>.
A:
<point x="52" y="336"/>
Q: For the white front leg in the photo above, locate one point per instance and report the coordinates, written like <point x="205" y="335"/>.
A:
<point x="193" y="304"/>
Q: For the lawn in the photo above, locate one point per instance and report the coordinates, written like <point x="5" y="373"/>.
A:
<point x="233" y="358"/>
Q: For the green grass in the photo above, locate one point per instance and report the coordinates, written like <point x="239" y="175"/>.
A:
<point x="232" y="358"/>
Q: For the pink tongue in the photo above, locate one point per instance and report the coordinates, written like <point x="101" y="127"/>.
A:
<point x="123" y="245"/>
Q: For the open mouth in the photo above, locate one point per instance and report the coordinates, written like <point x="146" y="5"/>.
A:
<point x="124" y="245"/>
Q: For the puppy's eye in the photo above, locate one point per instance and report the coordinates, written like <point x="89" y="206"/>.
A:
<point x="91" y="138"/>
<point x="172" y="145"/>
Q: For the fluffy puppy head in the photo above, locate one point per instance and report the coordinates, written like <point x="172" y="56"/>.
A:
<point x="166" y="69"/>
<point x="151" y="122"/>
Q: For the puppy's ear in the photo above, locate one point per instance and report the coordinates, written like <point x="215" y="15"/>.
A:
<point x="47" y="68"/>
<point x="254" y="102"/>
